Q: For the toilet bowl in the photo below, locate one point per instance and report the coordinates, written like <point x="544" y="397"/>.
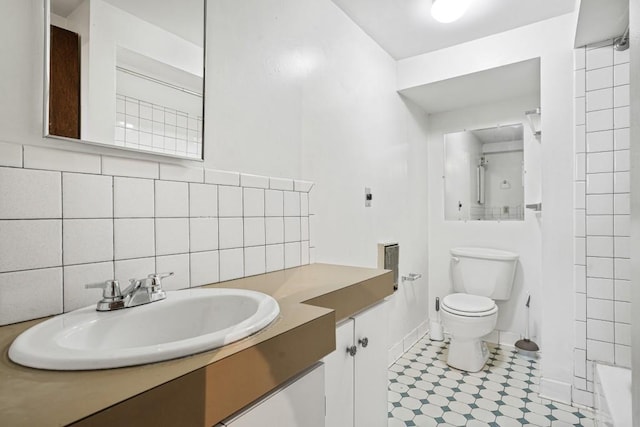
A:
<point x="480" y="276"/>
<point x="468" y="318"/>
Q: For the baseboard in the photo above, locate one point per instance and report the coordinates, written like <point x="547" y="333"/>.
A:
<point x="401" y="347"/>
<point x="395" y="352"/>
<point x="555" y="390"/>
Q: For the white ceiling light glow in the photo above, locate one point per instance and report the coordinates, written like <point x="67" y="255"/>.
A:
<point x="447" y="11"/>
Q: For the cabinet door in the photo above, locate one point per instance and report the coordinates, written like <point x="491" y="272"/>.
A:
<point x="300" y="403"/>
<point x="371" y="367"/>
<point x="339" y="367"/>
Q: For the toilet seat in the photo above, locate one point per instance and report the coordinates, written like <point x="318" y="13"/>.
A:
<point x="469" y="305"/>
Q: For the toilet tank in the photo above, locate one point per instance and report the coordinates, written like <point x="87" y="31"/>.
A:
<point x="483" y="271"/>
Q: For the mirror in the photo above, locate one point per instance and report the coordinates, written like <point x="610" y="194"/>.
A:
<point x="126" y="73"/>
<point x="483" y="174"/>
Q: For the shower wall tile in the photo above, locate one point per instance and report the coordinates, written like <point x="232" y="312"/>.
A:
<point x="600" y="57"/>
<point x="599" y="99"/>
<point x="599" y="79"/>
<point x="621" y="139"/>
<point x="602" y="98"/>
<point x="599" y="141"/>
<point x="621" y="96"/>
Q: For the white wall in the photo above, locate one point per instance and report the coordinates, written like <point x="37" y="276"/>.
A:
<point x="550" y="40"/>
<point x="301" y="76"/>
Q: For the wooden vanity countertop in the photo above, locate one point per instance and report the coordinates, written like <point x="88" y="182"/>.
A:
<point x="207" y="387"/>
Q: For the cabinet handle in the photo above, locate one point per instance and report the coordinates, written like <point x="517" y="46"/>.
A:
<point x="363" y="341"/>
<point x="352" y="350"/>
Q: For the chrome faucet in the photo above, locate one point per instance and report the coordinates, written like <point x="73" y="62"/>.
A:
<point x="139" y="292"/>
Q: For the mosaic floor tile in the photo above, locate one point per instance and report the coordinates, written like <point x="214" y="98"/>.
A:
<point x="425" y="392"/>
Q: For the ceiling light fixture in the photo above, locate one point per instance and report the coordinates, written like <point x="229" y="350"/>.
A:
<point x="447" y="11"/>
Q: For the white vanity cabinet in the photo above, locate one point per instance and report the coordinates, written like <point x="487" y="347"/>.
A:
<point x="356" y="381"/>
<point x="298" y="403"/>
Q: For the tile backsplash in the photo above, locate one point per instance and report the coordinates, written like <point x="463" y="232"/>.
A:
<point x="601" y="214"/>
<point x="69" y="221"/>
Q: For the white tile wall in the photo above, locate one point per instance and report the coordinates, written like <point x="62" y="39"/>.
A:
<point x="17" y="291"/>
<point x="87" y="196"/>
<point x="172" y="236"/>
<point x="134" y="238"/>
<point x="253" y="202"/>
<point x="133" y="198"/>
<point x="87" y="240"/>
<point x="204" y="268"/>
<point x="30" y="194"/>
<point x="275" y="257"/>
<point x="231" y="264"/>
<point x="204" y="234"/>
<point x="27" y="244"/>
<point x="602" y="196"/>
<point x="229" y="201"/>
<point x="172" y="199"/>
<point x="76" y="223"/>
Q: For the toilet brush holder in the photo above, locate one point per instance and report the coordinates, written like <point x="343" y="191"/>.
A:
<point x="435" y="331"/>
<point x="435" y="326"/>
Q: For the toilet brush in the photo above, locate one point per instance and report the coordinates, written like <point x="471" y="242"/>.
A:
<point x="525" y="346"/>
<point x="435" y="326"/>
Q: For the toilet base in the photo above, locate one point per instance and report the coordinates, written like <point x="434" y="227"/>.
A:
<point x="467" y="354"/>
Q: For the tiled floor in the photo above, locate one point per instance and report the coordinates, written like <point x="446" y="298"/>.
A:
<point x="424" y="391"/>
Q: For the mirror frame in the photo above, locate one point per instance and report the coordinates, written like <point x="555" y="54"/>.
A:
<point x="46" y="92"/>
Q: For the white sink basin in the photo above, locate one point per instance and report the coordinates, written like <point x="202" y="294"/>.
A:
<point x="186" y="322"/>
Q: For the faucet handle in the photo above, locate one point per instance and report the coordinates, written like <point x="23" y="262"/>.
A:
<point x="110" y="289"/>
<point x="156" y="278"/>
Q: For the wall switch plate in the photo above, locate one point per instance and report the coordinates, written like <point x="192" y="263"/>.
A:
<point x="367" y="197"/>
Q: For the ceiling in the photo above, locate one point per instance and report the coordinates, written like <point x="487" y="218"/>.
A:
<point x="405" y="28"/>
<point x="497" y="84"/>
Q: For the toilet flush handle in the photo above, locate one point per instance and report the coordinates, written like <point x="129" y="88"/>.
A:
<point x="455" y="259"/>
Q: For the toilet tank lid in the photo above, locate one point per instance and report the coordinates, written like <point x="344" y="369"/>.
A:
<point x="468" y="303"/>
<point x="484" y="253"/>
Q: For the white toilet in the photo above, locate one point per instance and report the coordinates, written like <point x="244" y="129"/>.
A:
<point x="480" y="276"/>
